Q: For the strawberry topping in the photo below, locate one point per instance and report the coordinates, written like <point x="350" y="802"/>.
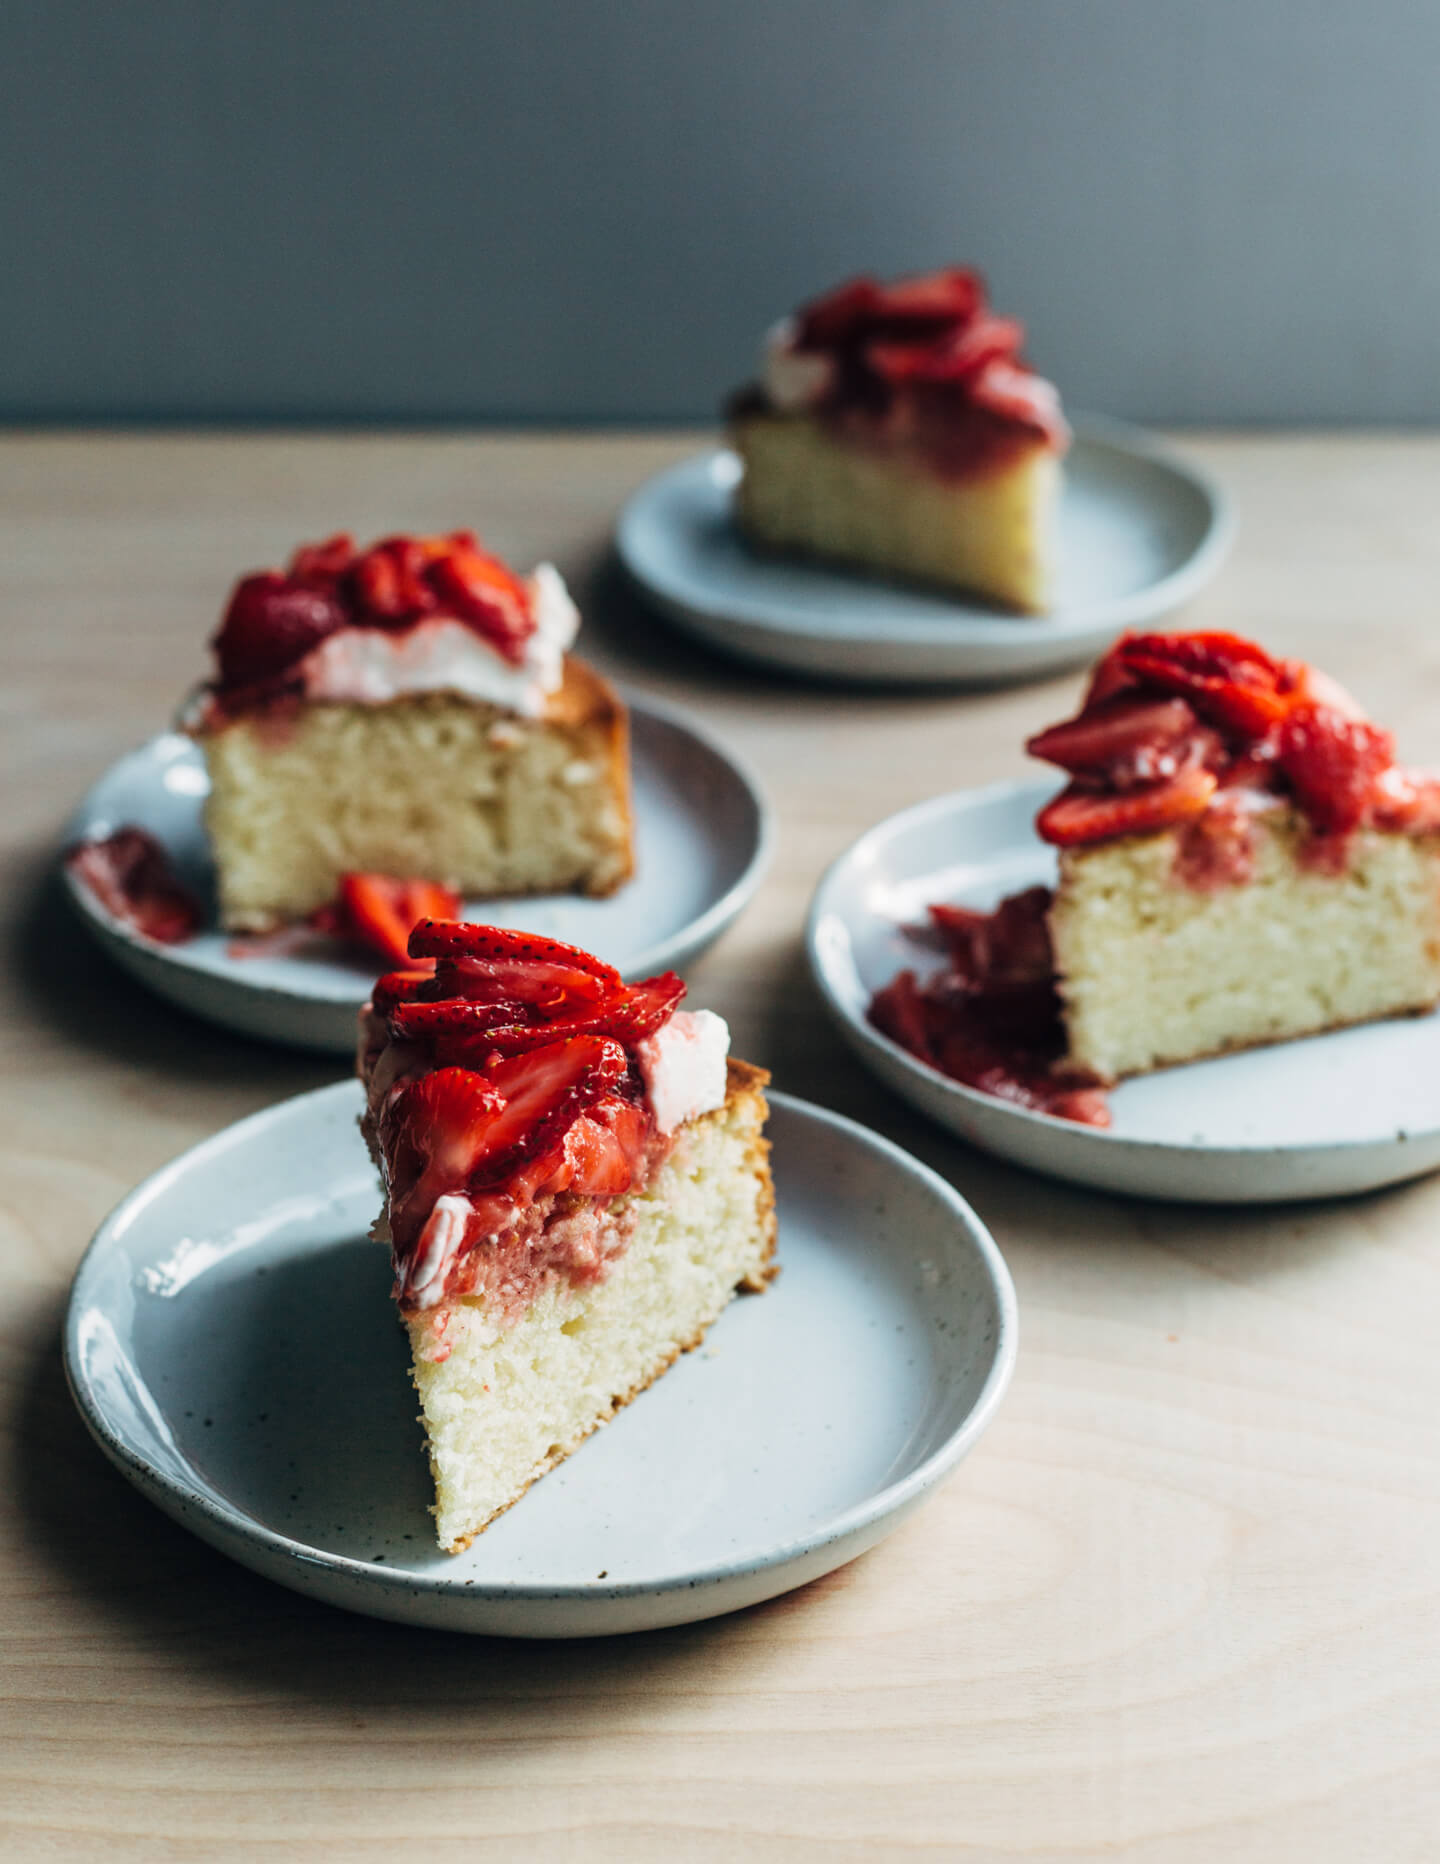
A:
<point x="926" y="355"/>
<point x="379" y="913"/>
<point x="519" y="1054"/>
<point x="1080" y="815"/>
<point x="1175" y="726"/>
<point x="1331" y="764"/>
<point x="129" y="873"/>
<point x="991" y="1018"/>
<point x="274" y="619"/>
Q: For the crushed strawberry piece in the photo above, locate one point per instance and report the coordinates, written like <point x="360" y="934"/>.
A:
<point x="992" y="1019"/>
<point x="275" y="618"/>
<point x="130" y="874"/>
<point x="1175" y="726"/>
<point x="379" y="913"/>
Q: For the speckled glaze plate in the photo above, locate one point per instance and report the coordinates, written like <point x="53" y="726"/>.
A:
<point x="233" y="1349"/>
<point x="1140" y="531"/>
<point x="1324" y="1117"/>
<point x="703" y="833"/>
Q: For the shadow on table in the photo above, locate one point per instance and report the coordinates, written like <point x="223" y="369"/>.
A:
<point x="61" y="976"/>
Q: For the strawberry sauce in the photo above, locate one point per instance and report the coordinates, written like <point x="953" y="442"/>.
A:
<point x="129" y="873"/>
<point x="276" y="618"/>
<point x="991" y="1018"/>
<point x="507" y="1104"/>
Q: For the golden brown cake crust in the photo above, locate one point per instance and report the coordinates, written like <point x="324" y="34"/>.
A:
<point x="586" y="701"/>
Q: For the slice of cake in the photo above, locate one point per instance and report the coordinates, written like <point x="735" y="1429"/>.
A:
<point x="1241" y="862"/>
<point x="896" y="428"/>
<point x="408" y="710"/>
<point x="576" y="1183"/>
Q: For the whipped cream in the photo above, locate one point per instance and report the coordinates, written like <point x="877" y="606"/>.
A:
<point x="794" y="379"/>
<point x="440" y="1242"/>
<point x="683" y="1067"/>
<point x="369" y="666"/>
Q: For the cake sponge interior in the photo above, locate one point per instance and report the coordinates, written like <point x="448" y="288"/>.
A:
<point x="511" y="1399"/>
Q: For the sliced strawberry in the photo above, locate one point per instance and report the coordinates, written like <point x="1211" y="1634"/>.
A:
<point x="900" y="1012"/>
<point x="840" y="314"/>
<point x="953" y="292"/>
<point x="1228" y="680"/>
<point x="397" y="987"/>
<point x="544" y="1091"/>
<point x="604" y="1147"/>
<point x="455" y="938"/>
<point x="1079" y="815"/>
<point x="645" y="1007"/>
<point x="129" y="872"/>
<point x="1135" y="734"/>
<point x="1332" y="764"/>
<point x="1109" y="675"/>
<point x="482" y="591"/>
<point x="390" y="581"/>
<point x="379" y="912"/>
<point x="322" y="565"/>
<point x="1013" y="942"/>
<point x="953" y="356"/>
<point x="628" y="1015"/>
<point x="270" y="625"/>
<point x="439" y="1129"/>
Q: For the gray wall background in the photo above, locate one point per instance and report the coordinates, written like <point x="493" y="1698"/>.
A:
<point x="1207" y="210"/>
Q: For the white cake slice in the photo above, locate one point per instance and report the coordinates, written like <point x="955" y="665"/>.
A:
<point x="577" y="1182"/>
<point x="408" y="711"/>
<point x="1241" y="861"/>
<point x="895" y="429"/>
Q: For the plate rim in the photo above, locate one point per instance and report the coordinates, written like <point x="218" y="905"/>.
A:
<point x="864" y="1036"/>
<point x="893" y="1499"/>
<point x="967" y="628"/>
<point x="694" y="935"/>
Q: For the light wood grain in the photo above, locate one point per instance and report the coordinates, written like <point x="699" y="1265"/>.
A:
<point x="1181" y="1605"/>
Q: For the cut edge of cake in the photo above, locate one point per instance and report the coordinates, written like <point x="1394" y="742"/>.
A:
<point x="435" y="785"/>
<point x="556" y="1349"/>
<point x="806" y="489"/>
<point x="1293" y="951"/>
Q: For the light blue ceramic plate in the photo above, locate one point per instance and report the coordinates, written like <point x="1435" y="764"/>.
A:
<point x="1324" y="1117"/>
<point x="234" y="1351"/>
<point x="703" y="834"/>
<point x="1140" y="531"/>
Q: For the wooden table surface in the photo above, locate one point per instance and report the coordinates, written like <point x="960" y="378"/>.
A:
<point x="1181" y="1604"/>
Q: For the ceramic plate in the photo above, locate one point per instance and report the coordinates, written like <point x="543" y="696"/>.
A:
<point x="702" y="832"/>
<point x="1317" y="1118"/>
<point x="812" y="1420"/>
<point x="1140" y="532"/>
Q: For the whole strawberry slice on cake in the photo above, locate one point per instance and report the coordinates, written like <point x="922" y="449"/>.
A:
<point x="1241" y="861"/>
<point x="576" y="1183"/>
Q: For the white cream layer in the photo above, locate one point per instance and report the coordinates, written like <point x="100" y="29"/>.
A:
<point x="795" y="380"/>
<point x="369" y="666"/>
<point x="683" y="1067"/>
